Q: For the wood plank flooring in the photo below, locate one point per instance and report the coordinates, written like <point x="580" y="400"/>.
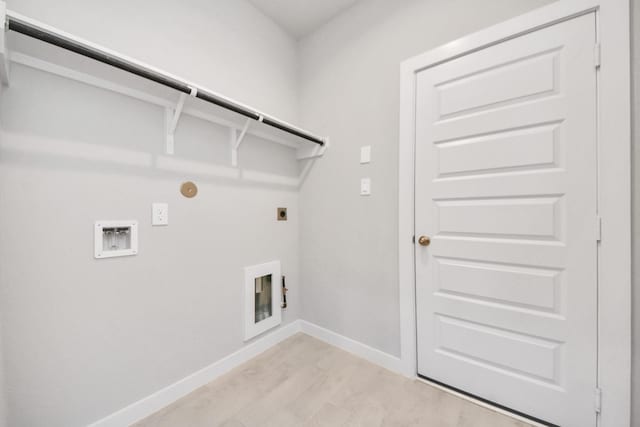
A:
<point x="305" y="382"/>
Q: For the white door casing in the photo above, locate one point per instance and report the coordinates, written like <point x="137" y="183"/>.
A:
<point x="506" y="187"/>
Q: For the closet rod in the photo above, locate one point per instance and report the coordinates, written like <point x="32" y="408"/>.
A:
<point x="81" y="49"/>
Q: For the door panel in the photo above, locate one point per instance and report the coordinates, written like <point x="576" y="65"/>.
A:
<point x="501" y="152"/>
<point x="506" y="189"/>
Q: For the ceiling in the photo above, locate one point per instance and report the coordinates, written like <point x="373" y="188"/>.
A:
<point x="301" y="17"/>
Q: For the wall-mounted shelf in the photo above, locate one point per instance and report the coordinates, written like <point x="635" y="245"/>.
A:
<point x="37" y="45"/>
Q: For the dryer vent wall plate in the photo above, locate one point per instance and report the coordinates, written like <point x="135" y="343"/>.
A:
<point x="115" y="238"/>
<point x="189" y="189"/>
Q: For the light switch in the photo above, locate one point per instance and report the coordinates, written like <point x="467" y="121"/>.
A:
<point x="160" y="214"/>
<point x="365" y="154"/>
<point x="365" y="187"/>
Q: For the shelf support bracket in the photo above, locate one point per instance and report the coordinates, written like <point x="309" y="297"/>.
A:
<point x="4" y="50"/>
<point x="312" y="151"/>
<point x="172" y="116"/>
<point x="236" y="140"/>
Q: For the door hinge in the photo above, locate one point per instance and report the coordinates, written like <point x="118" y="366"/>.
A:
<point x="598" y="400"/>
<point x="598" y="228"/>
<point x="597" y="56"/>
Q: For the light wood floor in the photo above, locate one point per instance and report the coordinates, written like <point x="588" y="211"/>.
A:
<point x="305" y="382"/>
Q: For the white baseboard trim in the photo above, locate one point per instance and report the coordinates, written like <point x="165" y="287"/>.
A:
<point x="371" y="354"/>
<point x="162" y="398"/>
<point x="168" y="395"/>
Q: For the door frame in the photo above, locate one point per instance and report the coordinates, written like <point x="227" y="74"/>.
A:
<point x="614" y="187"/>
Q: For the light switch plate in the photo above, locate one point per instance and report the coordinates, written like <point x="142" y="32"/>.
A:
<point x="365" y="154"/>
<point x="160" y="214"/>
<point x="365" y="187"/>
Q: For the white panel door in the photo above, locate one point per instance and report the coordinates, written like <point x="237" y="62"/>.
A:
<point x="506" y="163"/>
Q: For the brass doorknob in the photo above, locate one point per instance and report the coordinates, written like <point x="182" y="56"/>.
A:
<point x="424" y="241"/>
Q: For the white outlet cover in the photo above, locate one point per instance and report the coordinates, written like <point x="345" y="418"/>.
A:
<point x="365" y="154"/>
<point x="160" y="214"/>
<point x="365" y="187"/>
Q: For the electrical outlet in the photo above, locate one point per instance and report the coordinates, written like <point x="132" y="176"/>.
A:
<point x="365" y="187"/>
<point x="160" y="214"/>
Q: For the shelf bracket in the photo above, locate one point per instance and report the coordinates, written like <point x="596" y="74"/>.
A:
<point x="172" y="116"/>
<point x="4" y="50"/>
<point x="235" y="141"/>
<point x="312" y="151"/>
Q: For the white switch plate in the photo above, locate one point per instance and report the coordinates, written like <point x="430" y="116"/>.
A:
<point x="365" y="186"/>
<point x="365" y="154"/>
<point x="160" y="214"/>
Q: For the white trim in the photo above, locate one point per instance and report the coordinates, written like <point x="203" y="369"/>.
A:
<point x="162" y="398"/>
<point x="168" y="395"/>
<point x="614" y="188"/>
<point x="357" y="348"/>
<point x="406" y="232"/>
<point x="614" y="204"/>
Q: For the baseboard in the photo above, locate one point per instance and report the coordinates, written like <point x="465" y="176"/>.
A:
<point x="160" y="399"/>
<point x="371" y="354"/>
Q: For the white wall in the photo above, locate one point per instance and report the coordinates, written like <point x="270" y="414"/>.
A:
<point x="350" y="90"/>
<point x="84" y="337"/>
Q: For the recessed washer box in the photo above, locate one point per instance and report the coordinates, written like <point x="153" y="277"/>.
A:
<point x="115" y="238"/>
